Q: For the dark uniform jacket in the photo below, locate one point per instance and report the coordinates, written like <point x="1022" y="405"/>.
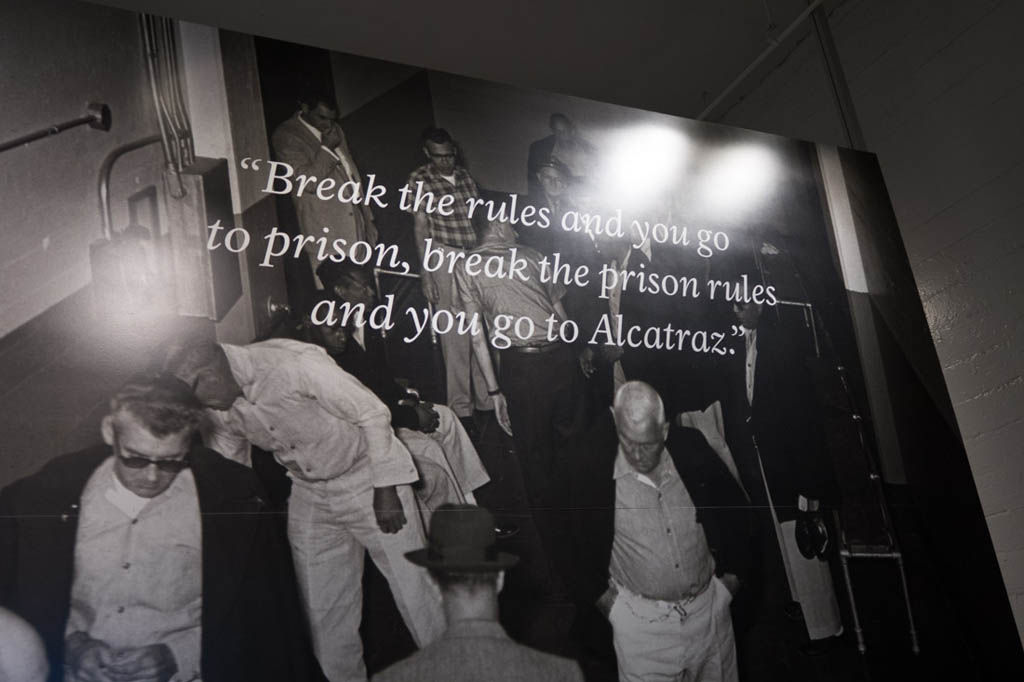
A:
<point x="370" y="365"/>
<point x="784" y="422"/>
<point x="253" y="628"/>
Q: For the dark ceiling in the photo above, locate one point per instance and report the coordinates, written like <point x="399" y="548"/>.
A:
<point x="673" y="57"/>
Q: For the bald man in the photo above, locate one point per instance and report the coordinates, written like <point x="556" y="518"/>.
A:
<point x="662" y="532"/>
<point x="22" y="655"/>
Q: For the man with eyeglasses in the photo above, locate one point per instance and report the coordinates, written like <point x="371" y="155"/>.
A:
<point x="149" y="558"/>
<point x="444" y="175"/>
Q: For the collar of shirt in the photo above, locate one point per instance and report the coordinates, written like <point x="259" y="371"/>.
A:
<point x="124" y="499"/>
<point x="359" y="336"/>
<point x="320" y="137"/>
<point x="657" y="476"/>
<point x="459" y="174"/>
<point x="316" y="133"/>
<point x="475" y="627"/>
<point x="241" y="367"/>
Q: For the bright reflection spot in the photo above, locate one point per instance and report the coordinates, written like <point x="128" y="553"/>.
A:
<point x="641" y="163"/>
<point x="737" y="180"/>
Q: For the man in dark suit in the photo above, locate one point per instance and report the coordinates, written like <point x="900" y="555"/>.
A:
<point x="661" y="532"/>
<point x="149" y="558"/>
<point x="464" y="560"/>
<point x="776" y="437"/>
<point x="563" y="145"/>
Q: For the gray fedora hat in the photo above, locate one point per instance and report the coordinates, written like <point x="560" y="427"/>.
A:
<point x="462" y="538"/>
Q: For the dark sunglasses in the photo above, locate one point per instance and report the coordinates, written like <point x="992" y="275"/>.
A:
<point x="171" y="466"/>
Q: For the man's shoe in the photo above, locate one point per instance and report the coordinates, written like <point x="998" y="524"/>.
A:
<point x="506" y="530"/>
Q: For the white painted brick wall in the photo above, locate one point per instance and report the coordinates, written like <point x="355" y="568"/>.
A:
<point x="939" y="90"/>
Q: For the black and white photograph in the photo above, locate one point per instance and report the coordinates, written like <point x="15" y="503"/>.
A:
<point x="323" y="366"/>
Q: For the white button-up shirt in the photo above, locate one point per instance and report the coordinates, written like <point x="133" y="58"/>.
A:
<point x="138" y="568"/>
<point x="317" y="419"/>
<point x="659" y="550"/>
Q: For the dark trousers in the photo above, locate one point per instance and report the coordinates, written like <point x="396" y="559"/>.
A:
<point x="546" y="407"/>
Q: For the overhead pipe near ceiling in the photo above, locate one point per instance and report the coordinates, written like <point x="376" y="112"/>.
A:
<point x="840" y="89"/>
<point x="758" y="61"/>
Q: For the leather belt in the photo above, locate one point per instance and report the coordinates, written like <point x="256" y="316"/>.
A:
<point x="537" y="347"/>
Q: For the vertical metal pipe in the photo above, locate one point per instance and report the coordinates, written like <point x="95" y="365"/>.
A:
<point x="178" y="96"/>
<point x="147" y="40"/>
<point x="167" y="87"/>
<point x="837" y="79"/>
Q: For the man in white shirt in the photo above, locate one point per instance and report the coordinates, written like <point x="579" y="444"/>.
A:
<point x="350" y="481"/>
<point x="150" y="558"/>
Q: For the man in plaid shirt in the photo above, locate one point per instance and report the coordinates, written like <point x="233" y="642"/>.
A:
<point x="443" y="175"/>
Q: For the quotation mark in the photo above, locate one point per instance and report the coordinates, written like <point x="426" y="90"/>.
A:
<point x="736" y="331"/>
<point x="250" y="163"/>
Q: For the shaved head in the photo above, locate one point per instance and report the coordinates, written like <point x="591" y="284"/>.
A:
<point x="640" y="422"/>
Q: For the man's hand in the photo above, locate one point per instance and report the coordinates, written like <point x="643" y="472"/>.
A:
<point x="610" y="353"/>
<point x="430" y="290"/>
<point x="731" y="582"/>
<point x="606" y="600"/>
<point x="388" y="509"/>
<point x="153" y="663"/>
<point x="428" y="416"/>
<point x="89" y="659"/>
<point x="501" y="413"/>
<point x="331" y="138"/>
<point x="587" y="362"/>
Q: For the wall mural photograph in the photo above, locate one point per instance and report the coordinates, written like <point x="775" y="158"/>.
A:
<point x="322" y="367"/>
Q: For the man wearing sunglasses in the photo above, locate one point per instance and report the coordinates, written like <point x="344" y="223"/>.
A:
<point x="148" y="558"/>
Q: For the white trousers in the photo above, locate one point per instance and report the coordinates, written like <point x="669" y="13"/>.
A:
<point x="811" y="583"/>
<point x="331" y="524"/>
<point x="675" y="641"/>
<point x="448" y="463"/>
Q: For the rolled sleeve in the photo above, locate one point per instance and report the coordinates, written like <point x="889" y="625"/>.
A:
<point x="218" y="436"/>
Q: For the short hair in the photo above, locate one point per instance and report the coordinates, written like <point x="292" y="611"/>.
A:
<point x="636" y="400"/>
<point x="331" y="273"/>
<point x="558" y="116"/>
<point x="449" y="581"/>
<point x="187" y="362"/>
<point x="311" y="95"/>
<point x="436" y="135"/>
<point x="162" y="403"/>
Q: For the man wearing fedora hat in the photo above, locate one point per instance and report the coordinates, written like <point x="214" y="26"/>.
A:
<point x="462" y="556"/>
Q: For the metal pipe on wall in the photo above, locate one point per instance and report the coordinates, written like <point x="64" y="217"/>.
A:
<point x="97" y="117"/>
<point x="759" y="60"/>
<point x="103" y="188"/>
